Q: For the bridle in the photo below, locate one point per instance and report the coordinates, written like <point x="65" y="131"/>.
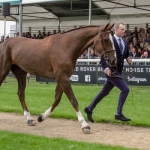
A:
<point x="104" y="55"/>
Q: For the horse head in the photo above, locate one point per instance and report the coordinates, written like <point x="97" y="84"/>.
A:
<point x="104" y="45"/>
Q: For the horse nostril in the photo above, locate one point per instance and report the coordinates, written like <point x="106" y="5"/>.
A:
<point x="113" y="62"/>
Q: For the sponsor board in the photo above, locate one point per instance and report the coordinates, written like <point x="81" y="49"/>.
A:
<point x="93" y="74"/>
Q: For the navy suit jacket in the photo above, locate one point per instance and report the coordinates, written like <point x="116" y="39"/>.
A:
<point x="120" y="57"/>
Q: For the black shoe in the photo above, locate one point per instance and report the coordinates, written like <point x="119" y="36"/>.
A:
<point x="89" y="114"/>
<point x="122" y="118"/>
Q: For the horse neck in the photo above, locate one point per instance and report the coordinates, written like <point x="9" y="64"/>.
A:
<point x="82" y="39"/>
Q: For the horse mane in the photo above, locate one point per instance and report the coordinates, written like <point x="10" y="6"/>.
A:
<point x="81" y="27"/>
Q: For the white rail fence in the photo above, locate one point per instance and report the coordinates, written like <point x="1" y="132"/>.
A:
<point x="134" y="61"/>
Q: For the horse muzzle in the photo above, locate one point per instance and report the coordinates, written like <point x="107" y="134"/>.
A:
<point x="111" y="62"/>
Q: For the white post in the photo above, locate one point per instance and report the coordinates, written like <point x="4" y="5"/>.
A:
<point x="90" y="5"/>
<point x="4" y="28"/>
<point x="20" y="19"/>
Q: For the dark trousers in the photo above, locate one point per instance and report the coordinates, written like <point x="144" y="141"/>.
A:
<point x="108" y="86"/>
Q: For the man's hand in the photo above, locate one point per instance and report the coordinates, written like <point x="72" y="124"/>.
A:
<point x="108" y="72"/>
<point x="129" y="60"/>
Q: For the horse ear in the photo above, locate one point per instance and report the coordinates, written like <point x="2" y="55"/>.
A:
<point x="110" y="27"/>
<point x="105" y="27"/>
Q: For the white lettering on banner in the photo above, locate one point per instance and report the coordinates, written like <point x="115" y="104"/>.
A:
<point x="87" y="68"/>
<point x="87" y="78"/>
<point x="100" y="69"/>
<point x="147" y="69"/>
<point x="137" y="79"/>
<point x="76" y="69"/>
<point x="74" y="78"/>
<point x="134" y="69"/>
<point x="101" y="78"/>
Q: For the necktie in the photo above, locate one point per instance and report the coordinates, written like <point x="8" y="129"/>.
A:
<point x="120" y="46"/>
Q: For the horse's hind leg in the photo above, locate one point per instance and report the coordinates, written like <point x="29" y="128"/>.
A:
<point x="58" y="94"/>
<point x="21" y="78"/>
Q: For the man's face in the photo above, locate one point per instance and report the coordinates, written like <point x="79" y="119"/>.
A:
<point x="120" y="30"/>
<point x="145" y="54"/>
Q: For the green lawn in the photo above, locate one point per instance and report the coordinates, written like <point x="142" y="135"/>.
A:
<point x="18" y="141"/>
<point x="40" y="96"/>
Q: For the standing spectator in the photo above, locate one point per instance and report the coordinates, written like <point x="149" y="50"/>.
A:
<point x="40" y="36"/>
<point x="148" y="38"/>
<point x="43" y="34"/>
<point x="142" y="33"/>
<point x="2" y="39"/>
<point x="23" y="34"/>
<point x="34" y="36"/>
<point x="48" y="33"/>
<point x="17" y="34"/>
<point x="148" y="31"/>
<point x="135" y="32"/>
<point x="143" y="44"/>
<point x="54" y="31"/>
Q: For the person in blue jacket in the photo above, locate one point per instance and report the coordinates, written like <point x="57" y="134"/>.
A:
<point x="113" y="75"/>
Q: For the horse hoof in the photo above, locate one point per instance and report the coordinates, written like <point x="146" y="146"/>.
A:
<point x="86" y="130"/>
<point x="31" y="122"/>
<point x="40" y="119"/>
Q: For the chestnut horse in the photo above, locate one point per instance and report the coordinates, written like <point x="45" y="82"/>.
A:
<point x="54" y="57"/>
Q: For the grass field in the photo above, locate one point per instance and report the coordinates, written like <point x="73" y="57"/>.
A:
<point x="31" y="142"/>
<point x="40" y="96"/>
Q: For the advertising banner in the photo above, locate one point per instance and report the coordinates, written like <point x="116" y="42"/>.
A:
<point x="93" y="74"/>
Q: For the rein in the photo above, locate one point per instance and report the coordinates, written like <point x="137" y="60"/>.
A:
<point x="123" y="77"/>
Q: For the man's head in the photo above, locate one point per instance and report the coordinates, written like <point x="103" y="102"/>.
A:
<point x="133" y="50"/>
<point x="145" y="54"/>
<point x="119" y="28"/>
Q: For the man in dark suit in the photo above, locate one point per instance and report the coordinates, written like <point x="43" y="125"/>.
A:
<point x="113" y="75"/>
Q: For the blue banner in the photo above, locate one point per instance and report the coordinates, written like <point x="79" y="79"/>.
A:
<point x="12" y="2"/>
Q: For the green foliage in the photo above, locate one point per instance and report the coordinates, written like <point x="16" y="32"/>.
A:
<point x="18" y="141"/>
<point x="40" y="96"/>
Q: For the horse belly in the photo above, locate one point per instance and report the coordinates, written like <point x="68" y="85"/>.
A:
<point x="33" y="64"/>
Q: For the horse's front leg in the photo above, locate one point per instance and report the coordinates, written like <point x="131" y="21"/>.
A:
<point x="21" y="78"/>
<point x="67" y="89"/>
<point x="58" y="94"/>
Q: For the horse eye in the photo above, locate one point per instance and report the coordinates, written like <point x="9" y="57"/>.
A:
<point x="106" y="40"/>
